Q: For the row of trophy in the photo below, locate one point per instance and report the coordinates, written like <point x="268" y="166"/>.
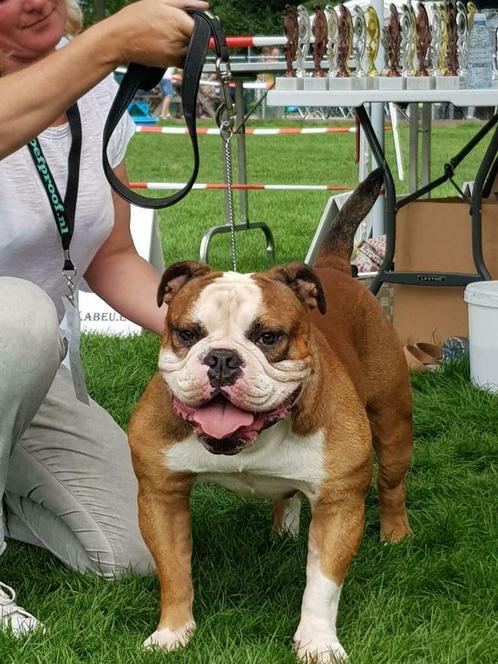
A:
<point x="420" y="53"/>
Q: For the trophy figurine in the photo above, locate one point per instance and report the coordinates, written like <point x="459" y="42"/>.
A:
<point x="451" y="79"/>
<point x="373" y="43"/>
<point x="443" y="51"/>
<point x="408" y="36"/>
<point x="345" y="29"/>
<point x="471" y="12"/>
<point x="318" y="80"/>
<point x="303" y="39"/>
<point x="394" y="43"/>
<point x="423" y="80"/>
<point x="413" y="51"/>
<point x="359" y="47"/>
<point x="440" y="43"/>
<point x="462" y="36"/>
<point x="290" y="29"/>
<point x="435" y="42"/>
<point x="289" y="81"/>
<point x="393" y="80"/>
<point x="332" y="40"/>
<point x="345" y="40"/>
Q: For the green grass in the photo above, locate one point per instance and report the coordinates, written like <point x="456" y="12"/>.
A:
<point x="433" y="599"/>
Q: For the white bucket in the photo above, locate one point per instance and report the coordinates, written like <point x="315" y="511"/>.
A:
<point x="482" y="300"/>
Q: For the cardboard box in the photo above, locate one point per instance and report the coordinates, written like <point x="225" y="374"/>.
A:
<point x="435" y="236"/>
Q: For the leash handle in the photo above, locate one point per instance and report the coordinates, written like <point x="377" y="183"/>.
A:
<point x="145" y="78"/>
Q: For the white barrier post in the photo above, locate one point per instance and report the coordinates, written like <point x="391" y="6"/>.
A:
<point x="95" y="314"/>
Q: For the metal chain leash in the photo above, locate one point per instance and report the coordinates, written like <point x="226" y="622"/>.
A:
<point x="225" y="116"/>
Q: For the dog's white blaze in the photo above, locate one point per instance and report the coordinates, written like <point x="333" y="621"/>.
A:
<point x="316" y="638"/>
<point x="228" y="305"/>
<point x="278" y="462"/>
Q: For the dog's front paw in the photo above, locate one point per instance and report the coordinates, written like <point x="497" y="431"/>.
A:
<point x="320" y="647"/>
<point x="169" y="639"/>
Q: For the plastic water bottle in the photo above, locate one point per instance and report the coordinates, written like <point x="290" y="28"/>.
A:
<point x="480" y="57"/>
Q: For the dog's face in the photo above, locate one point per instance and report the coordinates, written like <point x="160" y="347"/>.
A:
<point x="236" y="350"/>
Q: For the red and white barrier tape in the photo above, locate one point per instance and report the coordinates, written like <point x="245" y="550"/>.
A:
<point x="246" y="41"/>
<point x="259" y="187"/>
<point x="250" y="131"/>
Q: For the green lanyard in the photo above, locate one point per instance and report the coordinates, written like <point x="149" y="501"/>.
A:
<point x="63" y="210"/>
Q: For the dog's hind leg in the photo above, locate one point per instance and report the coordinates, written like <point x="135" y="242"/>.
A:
<point x="392" y="437"/>
<point x="286" y="516"/>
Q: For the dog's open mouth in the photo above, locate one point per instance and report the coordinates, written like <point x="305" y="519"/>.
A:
<point x="225" y="428"/>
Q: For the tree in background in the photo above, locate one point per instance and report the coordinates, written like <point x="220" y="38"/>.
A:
<point x="253" y="17"/>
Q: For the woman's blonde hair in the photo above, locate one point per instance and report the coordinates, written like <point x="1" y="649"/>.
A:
<point x="74" y="19"/>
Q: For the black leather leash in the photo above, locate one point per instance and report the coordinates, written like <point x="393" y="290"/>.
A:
<point x="140" y="77"/>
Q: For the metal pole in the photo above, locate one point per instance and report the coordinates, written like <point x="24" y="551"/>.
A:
<point x="413" y="148"/>
<point x="241" y="150"/>
<point x="426" y="144"/>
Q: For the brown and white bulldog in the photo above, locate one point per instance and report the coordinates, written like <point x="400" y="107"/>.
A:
<point x="264" y="392"/>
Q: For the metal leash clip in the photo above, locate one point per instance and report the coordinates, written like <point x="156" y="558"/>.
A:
<point x="69" y="272"/>
<point x="225" y="113"/>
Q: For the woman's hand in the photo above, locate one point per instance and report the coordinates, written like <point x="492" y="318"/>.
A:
<point x="150" y="32"/>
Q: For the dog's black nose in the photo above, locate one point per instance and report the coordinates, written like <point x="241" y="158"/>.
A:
<point x="224" y="366"/>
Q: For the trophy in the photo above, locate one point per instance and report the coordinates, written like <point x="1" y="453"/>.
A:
<point x="440" y="41"/>
<point x="373" y="32"/>
<point x="451" y="79"/>
<point x="462" y="46"/>
<point x="393" y="80"/>
<point x="413" y="50"/>
<point x="359" y="47"/>
<point x="332" y="39"/>
<point x="408" y="41"/>
<point x="320" y="35"/>
<point x="435" y="41"/>
<point x="289" y="80"/>
<point x="303" y="39"/>
<point x="290" y="29"/>
<point x="423" y="81"/>
<point x="471" y="12"/>
<point x="443" y="37"/>
<point x="345" y="30"/>
<point x="318" y="80"/>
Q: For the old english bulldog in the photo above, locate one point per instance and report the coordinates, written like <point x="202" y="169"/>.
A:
<point x="263" y="391"/>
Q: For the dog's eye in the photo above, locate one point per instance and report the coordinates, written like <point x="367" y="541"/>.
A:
<point x="187" y="336"/>
<point x="269" y="338"/>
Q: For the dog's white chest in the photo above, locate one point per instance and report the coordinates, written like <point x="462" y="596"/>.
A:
<point x="279" y="462"/>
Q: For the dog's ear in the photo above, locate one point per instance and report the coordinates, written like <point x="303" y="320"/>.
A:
<point x="176" y="276"/>
<point x="305" y="283"/>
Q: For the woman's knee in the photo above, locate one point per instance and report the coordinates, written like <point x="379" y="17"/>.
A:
<point x="28" y="321"/>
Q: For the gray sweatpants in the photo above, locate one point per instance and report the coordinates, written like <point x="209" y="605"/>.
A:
<point x="65" y="469"/>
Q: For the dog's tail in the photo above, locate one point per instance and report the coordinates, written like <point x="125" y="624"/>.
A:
<point x="337" y="246"/>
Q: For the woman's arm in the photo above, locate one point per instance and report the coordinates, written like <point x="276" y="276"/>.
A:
<point x="121" y="277"/>
<point x="151" y="32"/>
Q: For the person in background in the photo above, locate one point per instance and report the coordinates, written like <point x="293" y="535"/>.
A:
<point x="65" y="471"/>
<point x="166" y="88"/>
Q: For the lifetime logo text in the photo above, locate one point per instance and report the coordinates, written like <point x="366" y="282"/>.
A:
<point x="58" y="207"/>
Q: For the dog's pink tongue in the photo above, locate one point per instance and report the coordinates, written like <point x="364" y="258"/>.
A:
<point x="221" y="418"/>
